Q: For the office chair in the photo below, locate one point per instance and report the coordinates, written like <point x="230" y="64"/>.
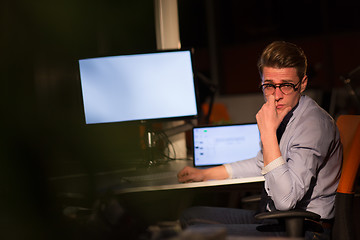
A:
<point x="349" y="128"/>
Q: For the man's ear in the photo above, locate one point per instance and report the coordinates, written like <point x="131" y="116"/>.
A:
<point x="303" y="84"/>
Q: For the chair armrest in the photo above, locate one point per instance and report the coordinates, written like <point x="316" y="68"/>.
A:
<point x="294" y="220"/>
<point x="294" y="213"/>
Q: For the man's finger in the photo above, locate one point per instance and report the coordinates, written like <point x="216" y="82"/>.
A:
<point x="271" y="100"/>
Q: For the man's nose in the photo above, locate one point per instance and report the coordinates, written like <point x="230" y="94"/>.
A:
<point x="278" y="94"/>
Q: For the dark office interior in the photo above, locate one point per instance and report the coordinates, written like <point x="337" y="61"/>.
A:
<point x="44" y="135"/>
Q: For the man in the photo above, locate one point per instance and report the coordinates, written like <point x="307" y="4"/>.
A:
<point x="300" y="156"/>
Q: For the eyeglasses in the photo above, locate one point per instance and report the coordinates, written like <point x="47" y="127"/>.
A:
<point x="285" y="88"/>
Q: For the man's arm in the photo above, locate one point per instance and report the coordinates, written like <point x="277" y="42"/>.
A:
<point x="190" y="174"/>
<point x="268" y="120"/>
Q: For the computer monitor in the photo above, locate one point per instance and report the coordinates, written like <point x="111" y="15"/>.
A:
<point x="138" y="87"/>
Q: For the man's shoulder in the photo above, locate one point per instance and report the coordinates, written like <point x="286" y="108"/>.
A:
<point x="311" y="113"/>
<point x="310" y="107"/>
<point x="306" y="102"/>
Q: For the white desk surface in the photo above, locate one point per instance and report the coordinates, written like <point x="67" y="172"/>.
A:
<point x="125" y="189"/>
<point x="163" y="177"/>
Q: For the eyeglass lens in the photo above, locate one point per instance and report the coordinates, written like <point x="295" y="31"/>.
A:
<point x="269" y="89"/>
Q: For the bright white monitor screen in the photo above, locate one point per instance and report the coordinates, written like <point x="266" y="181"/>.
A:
<point x="138" y="87"/>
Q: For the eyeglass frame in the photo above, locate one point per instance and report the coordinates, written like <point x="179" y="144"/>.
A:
<point x="280" y="85"/>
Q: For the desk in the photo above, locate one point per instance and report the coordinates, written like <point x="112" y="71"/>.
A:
<point x="163" y="177"/>
<point x="149" y="195"/>
<point x="145" y="180"/>
<point x="156" y="192"/>
<point x="165" y="186"/>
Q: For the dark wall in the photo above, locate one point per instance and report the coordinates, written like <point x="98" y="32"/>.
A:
<point x="328" y="31"/>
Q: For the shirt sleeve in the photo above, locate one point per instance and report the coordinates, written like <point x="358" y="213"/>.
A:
<point x="274" y="164"/>
<point x="245" y="168"/>
<point x="287" y="181"/>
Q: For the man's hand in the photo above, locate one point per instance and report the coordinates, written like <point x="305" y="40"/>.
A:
<point x="269" y="118"/>
<point x="190" y="174"/>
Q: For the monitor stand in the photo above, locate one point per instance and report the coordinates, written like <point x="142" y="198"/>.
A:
<point x="157" y="146"/>
<point x="150" y="146"/>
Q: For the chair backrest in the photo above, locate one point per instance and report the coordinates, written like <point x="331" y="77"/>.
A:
<point x="349" y="127"/>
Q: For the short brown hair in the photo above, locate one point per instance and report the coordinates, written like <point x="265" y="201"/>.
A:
<point x="280" y="54"/>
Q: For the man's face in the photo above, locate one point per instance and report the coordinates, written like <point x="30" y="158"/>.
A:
<point x="284" y="75"/>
